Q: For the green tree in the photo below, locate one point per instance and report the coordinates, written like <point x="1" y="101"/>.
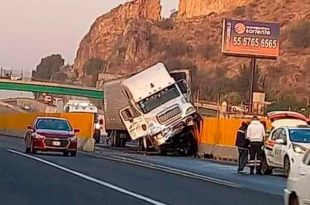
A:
<point x="59" y="77"/>
<point x="48" y="65"/>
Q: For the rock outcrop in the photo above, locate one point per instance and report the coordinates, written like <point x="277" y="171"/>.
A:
<point x="105" y="38"/>
<point x="196" y="8"/>
<point x="133" y="36"/>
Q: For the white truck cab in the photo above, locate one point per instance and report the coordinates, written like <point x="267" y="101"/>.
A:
<point x="158" y="109"/>
<point x="85" y="106"/>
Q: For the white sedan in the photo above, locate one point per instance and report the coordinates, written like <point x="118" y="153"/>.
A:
<point x="285" y="147"/>
<point x="298" y="183"/>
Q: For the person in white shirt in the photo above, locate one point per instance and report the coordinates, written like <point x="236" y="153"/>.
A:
<point x="255" y="134"/>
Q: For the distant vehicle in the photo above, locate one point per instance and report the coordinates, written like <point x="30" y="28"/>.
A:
<point x="151" y="106"/>
<point x="285" y="147"/>
<point x="85" y="106"/>
<point x="48" y="99"/>
<point x="51" y="134"/>
<point x="297" y="191"/>
<point x="239" y="109"/>
<point x="6" y="73"/>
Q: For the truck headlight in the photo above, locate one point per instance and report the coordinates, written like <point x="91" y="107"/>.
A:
<point x="190" y="110"/>
<point x="299" y="149"/>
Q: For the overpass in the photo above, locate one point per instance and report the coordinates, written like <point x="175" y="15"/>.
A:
<point x="52" y="88"/>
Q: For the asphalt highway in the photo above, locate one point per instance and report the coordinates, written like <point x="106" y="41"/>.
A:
<point x="89" y="179"/>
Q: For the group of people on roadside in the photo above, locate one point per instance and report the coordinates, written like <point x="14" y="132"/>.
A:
<point x="250" y="140"/>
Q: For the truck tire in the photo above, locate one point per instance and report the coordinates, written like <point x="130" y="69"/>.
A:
<point x="117" y="138"/>
<point x="97" y="136"/>
<point x="189" y="145"/>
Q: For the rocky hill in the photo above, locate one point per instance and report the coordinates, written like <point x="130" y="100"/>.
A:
<point x="133" y="36"/>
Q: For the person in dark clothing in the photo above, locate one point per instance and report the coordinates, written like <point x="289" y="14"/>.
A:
<point x="243" y="144"/>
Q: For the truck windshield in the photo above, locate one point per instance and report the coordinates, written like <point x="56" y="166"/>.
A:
<point x="159" y="98"/>
<point x="300" y="135"/>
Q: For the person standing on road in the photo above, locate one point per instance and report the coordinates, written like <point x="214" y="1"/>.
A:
<point x="243" y="144"/>
<point x="255" y="134"/>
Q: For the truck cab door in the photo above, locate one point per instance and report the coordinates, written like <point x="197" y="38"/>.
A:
<point x="134" y="122"/>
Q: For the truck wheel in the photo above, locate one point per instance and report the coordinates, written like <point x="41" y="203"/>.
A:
<point x="145" y="144"/>
<point x="163" y="151"/>
<point x="123" y="142"/>
<point x="266" y="170"/>
<point x="189" y="146"/>
<point x="97" y="136"/>
<point x="117" y="139"/>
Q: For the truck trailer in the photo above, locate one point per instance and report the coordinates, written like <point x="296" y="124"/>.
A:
<point x="153" y="108"/>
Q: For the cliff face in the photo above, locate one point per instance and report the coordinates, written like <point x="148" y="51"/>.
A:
<point x="133" y="36"/>
<point x="107" y="35"/>
<point x="196" y="8"/>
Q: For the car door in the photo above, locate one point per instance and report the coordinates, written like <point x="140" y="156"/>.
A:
<point x="270" y="146"/>
<point x="304" y="180"/>
<point x="134" y="122"/>
<point x="281" y="148"/>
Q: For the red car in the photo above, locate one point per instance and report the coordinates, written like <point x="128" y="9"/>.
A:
<point x="51" y="134"/>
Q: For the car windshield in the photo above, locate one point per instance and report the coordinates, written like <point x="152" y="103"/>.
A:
<point x="300" y="135"/>
<point x="53" y="124"/>
<point x="159" y="98"/>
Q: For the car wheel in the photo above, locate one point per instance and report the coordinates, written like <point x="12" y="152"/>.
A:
<point x="293" y="200"/>
<point x="27" y="150"/>
<point x="73" y="153"/>
<point x="287" y="166"/>
<point x="266" y="170"/>
<point x="66" y="153"/>
<point x="32" y="149"/>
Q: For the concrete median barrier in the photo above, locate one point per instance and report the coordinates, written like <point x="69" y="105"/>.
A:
<point x="217" y="138"/>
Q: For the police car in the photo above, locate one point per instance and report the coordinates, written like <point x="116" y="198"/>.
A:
<point x="287" y="143"/>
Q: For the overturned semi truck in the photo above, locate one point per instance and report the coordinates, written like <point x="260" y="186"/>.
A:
<point x="151" y="106"/>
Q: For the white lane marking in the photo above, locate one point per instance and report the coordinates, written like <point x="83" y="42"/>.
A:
<point x="170" y="170"/>
<point x="111" y="186"/>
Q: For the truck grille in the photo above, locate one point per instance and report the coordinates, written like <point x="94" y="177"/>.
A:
<point x="49" y="143"/>
<point x="169" y="115"/>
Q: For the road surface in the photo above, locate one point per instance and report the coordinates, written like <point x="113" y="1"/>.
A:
<point x="89" y="179"/>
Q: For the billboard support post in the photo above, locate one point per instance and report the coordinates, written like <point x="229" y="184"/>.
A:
<point x="253" y="69"/>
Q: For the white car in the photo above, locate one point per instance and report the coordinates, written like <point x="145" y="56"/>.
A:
<point x="285" y="147"/>
<point x="298" y="183"/>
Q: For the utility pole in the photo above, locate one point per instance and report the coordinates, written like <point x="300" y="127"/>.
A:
<point x="198" y="95"/>
<point x="308" y="107"/>
<point x="253" y="67"/>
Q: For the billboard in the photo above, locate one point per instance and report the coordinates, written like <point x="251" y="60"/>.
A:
<point x="250" y="38"/>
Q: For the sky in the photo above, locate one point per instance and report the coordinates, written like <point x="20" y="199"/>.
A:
<point x="33" y="29"/>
